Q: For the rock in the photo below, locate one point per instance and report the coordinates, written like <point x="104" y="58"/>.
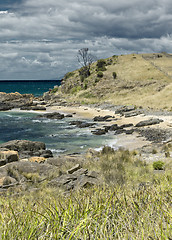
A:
<point x="81" y="124"/>
<point x="99" y="131"/>
<point x="120" y="131"/>
<point x="35" y="108"/>
<point x="69" y="115"/>
<point x="45" y="153"/>
<point x="15" y="100"/>
<point x="21" y="167"/>
<point x="151" y="121"/>
<point x="5" y="107"/>
<point x="37" y="159"/>
<point x="80" y="178"/>
<point x="7" y="181"/>
<point x="73" y="169"/>
<point x="26" y="148"/>
<point x="129" y="131"/>
<point x="8" y="156"/>
<point x="23" y="145"/>
<point x="155" y="135"/>
<point x="54" y="115"/>
<point x="123" y="109"/>
<point x="101" y="118"/>
<point x="126" y="125"/>
<point x="131" y="114"/>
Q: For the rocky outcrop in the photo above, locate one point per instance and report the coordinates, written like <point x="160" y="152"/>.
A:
<point x="76" y="178"/>
<point x="149" y="122"/>
<point x="128" y="111"/>
<point x="14" y="100"/>
<point x="7" y="156"/>
<point x="27" y="148"/>
<point x="54" y="115"/>
<point x="155" y="135"/>
<point x="102" y="118"/>
<point x="33" y="108"/>
<point x="81" y="124"/>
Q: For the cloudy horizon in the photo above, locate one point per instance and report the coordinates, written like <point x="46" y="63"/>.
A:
<point x="40" y="39"/>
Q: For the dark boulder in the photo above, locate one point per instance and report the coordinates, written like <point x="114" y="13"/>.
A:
<point x="27" y="148"/>
<point x="54" y="115"/>
<point x="81" y="124"/>
<point x="102" y="118"/>
<point x="151" y="121"/>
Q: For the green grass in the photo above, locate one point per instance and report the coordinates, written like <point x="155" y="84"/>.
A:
<point x="138" y="207"/>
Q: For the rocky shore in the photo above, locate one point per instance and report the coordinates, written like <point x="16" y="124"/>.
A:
<point x="22" y="161"/>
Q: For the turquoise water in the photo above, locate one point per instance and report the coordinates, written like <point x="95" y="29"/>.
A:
<point x="58" y="135"/>
<point x="31" y="86"/>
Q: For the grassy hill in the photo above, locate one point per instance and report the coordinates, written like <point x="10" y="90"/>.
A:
<point x="141" y="80"/>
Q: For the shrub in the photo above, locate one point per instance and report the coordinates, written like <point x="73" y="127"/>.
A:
<point x="100" y="74"/>
<point x="167" y="154"/>
<point x="84" y="72"/>
<point x="114" y="75"/>
<point x="154" y="151"/>
<point x="101" y="65"/>
<point x="75" y="89"/>
<point x="68" y="75"/>
<point x="54" y="90"/>
<point x="158" y="165"/>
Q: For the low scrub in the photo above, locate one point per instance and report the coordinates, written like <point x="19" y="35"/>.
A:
<point x="133" y="203"/>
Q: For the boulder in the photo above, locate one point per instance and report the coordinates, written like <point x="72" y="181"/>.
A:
<point x="37" y="159"/>
<point x="15" y="100"/>
<point x="23" y="145"/>
<point x="102" y="118"/>
<point x="77" y="179"/>
<point x="99" y="131"/>
<point x="5" y="107"/>
<point x="7" y="181"/>
<point x="151" y="121"/>
<point x="73" y="169"/>
<point x="81" y="124"/>
<point x="27" y="148"/>
<point x="54" y="115"/>
<point x="124" y="109"/>
<point x="8" y="156"/>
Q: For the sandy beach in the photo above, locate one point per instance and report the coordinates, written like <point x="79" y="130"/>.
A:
<point x="131" y="142"/>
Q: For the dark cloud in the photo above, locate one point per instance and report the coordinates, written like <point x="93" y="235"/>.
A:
<point x="40" y="39"/>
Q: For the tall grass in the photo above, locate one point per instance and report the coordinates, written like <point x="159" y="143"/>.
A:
<point x="133" y="209"/>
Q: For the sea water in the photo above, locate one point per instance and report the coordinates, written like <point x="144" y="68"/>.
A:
<point x="36" y="87"/>
<point x="58" y="135"/>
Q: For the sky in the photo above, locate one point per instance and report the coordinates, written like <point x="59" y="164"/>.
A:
<point x="39" y="39"/>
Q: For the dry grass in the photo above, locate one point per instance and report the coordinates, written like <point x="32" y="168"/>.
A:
<point x="142" y="80"/>
<point x="134" y="203"/>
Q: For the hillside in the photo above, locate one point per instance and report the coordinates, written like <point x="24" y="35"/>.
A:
<point x="141" y="80"/>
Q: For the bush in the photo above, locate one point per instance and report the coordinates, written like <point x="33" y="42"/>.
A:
<point x="100" y="74"/>
<point x="75" y="89"/>
<point x="158" y="165"/>
<point x="101" y="65"/>
<point x="68" y="75"/>
<point x="54" y="90"/>
<point x="114" y="75"/>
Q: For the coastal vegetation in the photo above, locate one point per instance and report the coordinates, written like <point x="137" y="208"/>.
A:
<point x="132" y="202"/>
<point x="123" y="79"/>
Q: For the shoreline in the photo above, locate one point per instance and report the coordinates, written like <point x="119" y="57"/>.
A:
<point x="130" y="142"/>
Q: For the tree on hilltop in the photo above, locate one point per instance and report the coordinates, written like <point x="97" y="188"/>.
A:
<point x="85" y="59"/>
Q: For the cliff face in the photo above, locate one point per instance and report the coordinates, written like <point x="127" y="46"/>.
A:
<point x="139" y="79"/>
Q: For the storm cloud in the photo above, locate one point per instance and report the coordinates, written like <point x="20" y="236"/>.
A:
<point x="40" y="39"/>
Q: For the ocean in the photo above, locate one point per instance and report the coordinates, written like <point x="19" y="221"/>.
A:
<point x="36" y="87"/>
<point x="58" y="135"/>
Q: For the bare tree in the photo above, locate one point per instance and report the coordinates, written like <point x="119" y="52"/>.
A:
<point x="85" y="59"/>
